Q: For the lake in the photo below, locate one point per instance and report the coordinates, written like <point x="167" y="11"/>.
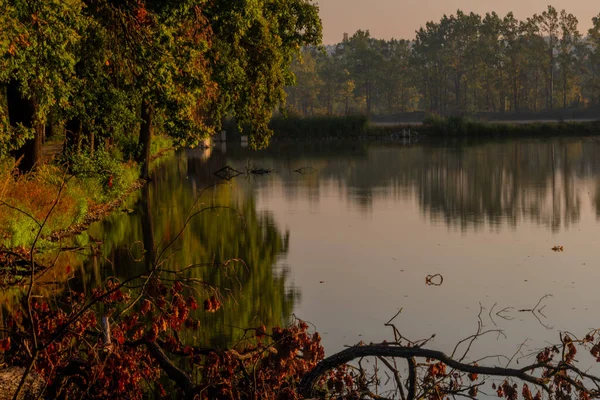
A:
<point x="344" y="235"/>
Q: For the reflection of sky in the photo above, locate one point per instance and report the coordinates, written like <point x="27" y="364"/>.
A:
<point x="374" y="260"/>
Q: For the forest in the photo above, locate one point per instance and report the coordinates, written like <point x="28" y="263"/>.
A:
<point x="464" y="63"/>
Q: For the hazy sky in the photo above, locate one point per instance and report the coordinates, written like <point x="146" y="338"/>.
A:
<point x="400" y="19"/>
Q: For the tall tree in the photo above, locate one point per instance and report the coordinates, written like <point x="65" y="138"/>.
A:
<point x="567" y="55"/>
<point x="38" y="65"/>
<point x="548" y="25"/>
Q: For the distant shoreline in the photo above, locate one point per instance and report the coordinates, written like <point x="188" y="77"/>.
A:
<point x="359" y="127"/>
<point x="512" y="122"/>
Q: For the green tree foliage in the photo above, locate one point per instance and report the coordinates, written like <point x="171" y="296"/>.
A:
<point x="105" y="68"/>
<point x="463" y="63"/>
<point x="38" y="65"/>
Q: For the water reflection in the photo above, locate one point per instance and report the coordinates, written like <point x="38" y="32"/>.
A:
<point x="463" y="185"/>
<point x="375" y="219"/>
<point x="129" y="242"/>
<point x="366" y="220"/>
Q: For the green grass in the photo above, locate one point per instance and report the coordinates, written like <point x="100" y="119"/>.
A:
<point x="90" y="181"/>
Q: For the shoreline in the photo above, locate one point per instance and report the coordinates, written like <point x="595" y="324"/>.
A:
<point x="76" y="198"/>
<point x="359" y="127"/>
<point x="100" y="211"/>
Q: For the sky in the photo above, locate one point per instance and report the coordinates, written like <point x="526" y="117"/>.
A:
<point x="399" y="19"/>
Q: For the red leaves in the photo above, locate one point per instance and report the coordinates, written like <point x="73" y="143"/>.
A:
<point x="191" y="303"/>
<point x="261" y="331"/>
<point x="192" y="323"/>
<point x="275" y="373"/>
<point x="5" y="344"/>
<point x="212" y="304"/>
<point x="473" y="376"/>
<point x="595" y="352"/>
<point x="546" y="355"/>
<point x="177" y="287"/>
<point x="111" y="295"/>
<point x="508" y="391"/>
<point x="118" y="336"/>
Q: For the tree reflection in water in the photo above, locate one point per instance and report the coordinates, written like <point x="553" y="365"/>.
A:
<point x="462" y="184"/>
<point x="256" y="291"/>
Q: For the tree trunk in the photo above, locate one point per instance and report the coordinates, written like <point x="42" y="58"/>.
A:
<point x="145" y="138"/>
<point x="22" y="111"/>
<point x="92" y="143"/>
<point x="551" y="89"/>
<point x="74" y="128"/>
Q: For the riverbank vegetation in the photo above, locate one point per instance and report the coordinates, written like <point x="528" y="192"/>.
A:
<point x="489" y="66"/>
<point x="116" y="82"/>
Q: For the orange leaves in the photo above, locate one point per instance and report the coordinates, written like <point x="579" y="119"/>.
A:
<point x="473" y="376"/>
<point x="571" y="350"/>
<point x="140" y="13"/>
<point x="437" y="369"/>
<point x="146" y="307"/>
<point x="527" y="395"/>
<point x="21" y="41"/>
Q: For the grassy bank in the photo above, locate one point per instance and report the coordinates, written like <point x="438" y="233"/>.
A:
<point x="57" y="199"/>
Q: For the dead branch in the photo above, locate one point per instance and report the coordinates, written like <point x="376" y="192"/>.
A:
<point x="306" y="387"/>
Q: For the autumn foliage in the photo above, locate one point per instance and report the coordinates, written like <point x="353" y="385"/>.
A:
<point x="76" y="354"/>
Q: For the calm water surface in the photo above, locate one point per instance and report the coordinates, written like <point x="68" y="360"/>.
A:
<point x="350" y="240"/>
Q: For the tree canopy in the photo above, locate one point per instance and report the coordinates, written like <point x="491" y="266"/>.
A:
<point x="107" y="68"/>
<point x="465" y="62"/>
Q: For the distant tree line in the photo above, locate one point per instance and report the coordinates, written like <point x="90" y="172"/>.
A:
<point x="463" y="63"/>
<point x="109" y="70"/>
